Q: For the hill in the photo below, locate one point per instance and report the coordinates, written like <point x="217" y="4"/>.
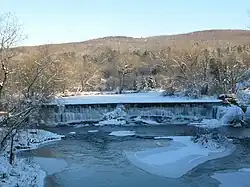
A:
<point x="211" y="38"/>
<point x="218" y="55"/>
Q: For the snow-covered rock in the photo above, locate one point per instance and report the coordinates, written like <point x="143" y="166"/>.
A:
<point x="122" y="133"/>
<point x="81" y="125"/>
<point x="115" y="117"/>
<point x="111" y="122"/>
<point x="117" y="113"/>
<point x="226" y="115"/>
<point x="145" y="121"/>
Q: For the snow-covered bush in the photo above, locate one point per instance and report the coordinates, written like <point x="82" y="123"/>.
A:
<point x="211" y="140"/>
<point x="243" y="96"/>
<point x="230" y="114"/>
<point x="247" y="114"/>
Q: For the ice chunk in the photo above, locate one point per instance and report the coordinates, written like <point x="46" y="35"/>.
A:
<point x="245" y="169"/>
<point x="111" y="122"/>
<point x="122" y="133"/>
<point x="93" y="131"/>
<point x="175" y="160"/>
<point x="146" y="121"/>
<point x="209" y="123"/>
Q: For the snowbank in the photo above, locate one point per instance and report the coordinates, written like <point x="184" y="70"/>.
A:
<point x="25" y="172"/>
<point x="32" y="138"/>
<point x="175" y="160"/>
<point x="122" y="133"/>
<point x="233" y="178"/>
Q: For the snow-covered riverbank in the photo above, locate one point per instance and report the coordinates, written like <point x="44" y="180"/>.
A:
<point x="24" y="172"/>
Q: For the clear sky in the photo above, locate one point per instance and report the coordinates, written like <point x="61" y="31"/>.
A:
<point x="56" y="21"/>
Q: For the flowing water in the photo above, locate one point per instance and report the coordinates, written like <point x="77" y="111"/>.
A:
<point x="97" y="160"/>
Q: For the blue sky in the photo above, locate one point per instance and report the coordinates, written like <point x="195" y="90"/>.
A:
<point x="56" y="21"/>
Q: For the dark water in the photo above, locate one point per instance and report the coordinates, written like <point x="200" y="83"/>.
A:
<point x="98" y="160"/>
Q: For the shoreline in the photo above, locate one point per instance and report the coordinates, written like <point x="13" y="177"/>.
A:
<point x="25" y="172"/>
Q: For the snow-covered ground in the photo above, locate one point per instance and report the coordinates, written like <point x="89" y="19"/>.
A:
<point x="147" y="97"/>
<point x="32" y="138"/>
<point x="176" y="158"/>
<point x="238" y="178"/>
<point x="24" y="172"/>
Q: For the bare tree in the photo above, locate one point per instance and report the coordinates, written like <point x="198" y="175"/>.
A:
<point x="10" y="35"/>
<point x="230" y="66"/>
<point x="33" y="77"/>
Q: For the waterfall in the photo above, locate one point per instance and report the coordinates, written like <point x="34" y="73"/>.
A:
<point x="68" y="114"/>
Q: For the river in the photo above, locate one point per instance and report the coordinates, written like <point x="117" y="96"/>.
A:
<point x="94" y="159"/>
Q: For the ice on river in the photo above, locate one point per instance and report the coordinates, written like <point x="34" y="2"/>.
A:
<point x="122" y="133"/>
<point x="93" y="131"/>
<point x="238" y="178"/>
<point x="176" y="159"/>
<point x="50" y="165"/>
<point x="147" y="97"/>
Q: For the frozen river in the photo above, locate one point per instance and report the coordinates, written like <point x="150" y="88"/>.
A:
<point x="94" y="159"/>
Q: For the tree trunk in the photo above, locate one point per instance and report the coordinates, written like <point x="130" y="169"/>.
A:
<point x="82" y="84"/>
<point x="121" y="80"/>
<point x="233" y="86"/>
<point x="11" y="158"/>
